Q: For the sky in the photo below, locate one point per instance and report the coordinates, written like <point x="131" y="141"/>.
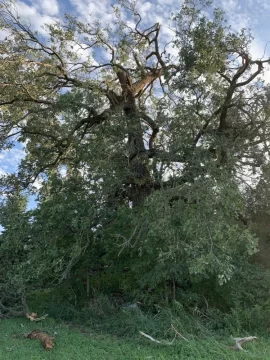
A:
<point x="253" y="14"/>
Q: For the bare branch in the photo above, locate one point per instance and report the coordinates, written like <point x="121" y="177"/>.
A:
<point x="253" y="76"/>
<point x="154" y="127"/>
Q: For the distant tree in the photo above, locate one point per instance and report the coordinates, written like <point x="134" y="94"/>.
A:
<point x="155" y="140"/>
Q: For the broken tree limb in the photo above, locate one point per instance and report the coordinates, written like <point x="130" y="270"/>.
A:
<point x="178" y="333"/>
<point x="45" y="339"/>
<point x="150" y="337"/>
<point x="163" y="342"/>
<point x="7" y="311"/>
<point x="33" y="317"/>
<point x="240" y="341"/>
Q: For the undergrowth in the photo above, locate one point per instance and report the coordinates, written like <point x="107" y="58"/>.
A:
<point x="105" y="316"/>
<point x="103" y="329"/>
<point x="92" y="342"/>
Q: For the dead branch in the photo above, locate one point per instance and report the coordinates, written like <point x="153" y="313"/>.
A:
<point x="154" y="127"/>
<point x="7" y="311"/>
<point x="33" y="317"/>
<point x="240" y="341"/>
<point x="163" y="342"/>
<point x="149" y="78"/>
<point x="150" y="337"/>
<point x="178" y="333"/>
<point x="45" y="340"/>
<point x="246" y="62"/>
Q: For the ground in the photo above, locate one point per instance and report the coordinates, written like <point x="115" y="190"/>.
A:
<point x="77" y="343"/>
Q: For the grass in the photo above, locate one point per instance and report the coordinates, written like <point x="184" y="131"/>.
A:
<point x="105" y="331"/>
<point x="81" y="343"/>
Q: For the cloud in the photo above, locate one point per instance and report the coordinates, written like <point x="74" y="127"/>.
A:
<point x="37" y="183"/>
<point x="10" y="159"/>
<point x="94" y="10"/>
<point x="48" y="7"/>
<point x="3" y="34"/>
<point x="249" y="14"/>
<point x="35" y="15"/>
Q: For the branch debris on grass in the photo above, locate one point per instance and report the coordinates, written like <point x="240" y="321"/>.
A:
<point x="45" y="339"/>
<point x="240" y="341"/>
<point x="163" y="342"/>
<point x="33" y="316"/>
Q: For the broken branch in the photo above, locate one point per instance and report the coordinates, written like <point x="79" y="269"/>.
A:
<point x="240" y="341"/>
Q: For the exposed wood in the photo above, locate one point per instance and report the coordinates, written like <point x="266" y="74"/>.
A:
<point x="240" y="341"/>
<point x="33" y="317"/>
<point x="45" y="340"/>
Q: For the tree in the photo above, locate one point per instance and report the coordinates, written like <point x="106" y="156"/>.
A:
<point x="156" y="140"/>
<point x="14" y="246"/>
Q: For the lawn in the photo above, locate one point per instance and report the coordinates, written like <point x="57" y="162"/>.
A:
<point x="81" y="344"/>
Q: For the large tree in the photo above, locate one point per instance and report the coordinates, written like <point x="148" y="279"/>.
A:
<point x="159" y="140"/>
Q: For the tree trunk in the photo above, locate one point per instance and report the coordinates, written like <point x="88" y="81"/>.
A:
<point x="139" y="174"/>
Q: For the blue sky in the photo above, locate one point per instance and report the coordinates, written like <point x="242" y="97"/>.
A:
<point x="254" y="14"/>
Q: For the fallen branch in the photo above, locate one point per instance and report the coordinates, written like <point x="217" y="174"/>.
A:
<point x="150" y="337"/>
<point x="33" y="317"/>
<point x="163" y="342"/>
<point x="178" y="333"/>
<point x="45" y="340"/>
<point x="240" y="341"/>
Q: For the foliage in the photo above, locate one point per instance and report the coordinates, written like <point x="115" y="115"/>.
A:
<point x="137" y="161"/>
<point x="125" y="320"/>
<point x="14" y="248"/>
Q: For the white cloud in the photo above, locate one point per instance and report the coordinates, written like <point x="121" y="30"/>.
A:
<point x="259" y="5"/>
<point x="3" y="34"/>
<point x="33" y="16"/>
<point x="37" y="184"/>
<point x="9" y="160"/>
<point x="237" y="16"/>
<point x="94" y="10"/>
<point x="48" y="7"/>
<point x="63" y="171"/>
<point x="230" y="5"/>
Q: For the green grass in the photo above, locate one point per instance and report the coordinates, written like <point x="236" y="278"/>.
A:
<point x="82" y="343"/>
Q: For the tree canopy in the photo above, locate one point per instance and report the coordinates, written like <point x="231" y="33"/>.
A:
<point x="139" y="150"/>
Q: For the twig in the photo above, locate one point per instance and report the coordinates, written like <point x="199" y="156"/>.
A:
<point x="178" y="333"/>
